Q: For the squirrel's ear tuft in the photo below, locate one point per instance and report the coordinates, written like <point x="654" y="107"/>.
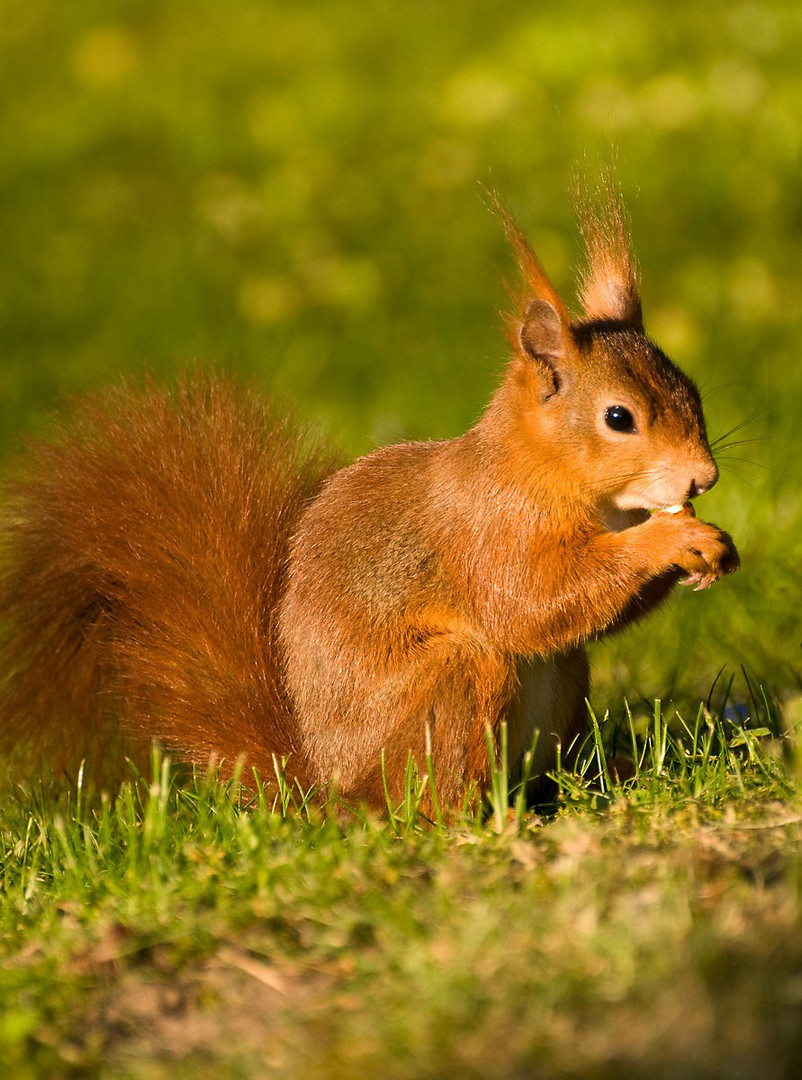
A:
<point x="542" y="326"/>
<point x="535" y="279"/>
<point x="608" y="288"/>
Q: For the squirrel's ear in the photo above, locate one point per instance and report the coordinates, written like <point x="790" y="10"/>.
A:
<point x="541" y="338"/>
<point x="608" y="287"/>
<point x="541" y="330"/>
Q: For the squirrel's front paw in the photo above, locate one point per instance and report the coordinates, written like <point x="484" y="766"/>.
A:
<point x="707" y="553"/>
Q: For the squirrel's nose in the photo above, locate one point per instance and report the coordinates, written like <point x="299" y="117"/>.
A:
<point x="705" y="478"/>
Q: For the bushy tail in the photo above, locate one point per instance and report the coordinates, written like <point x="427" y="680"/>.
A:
<point x="143" y="558"/>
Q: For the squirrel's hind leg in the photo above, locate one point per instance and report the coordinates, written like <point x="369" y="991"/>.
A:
<point x="551" y="700"/>
<point x="448" y="704"/>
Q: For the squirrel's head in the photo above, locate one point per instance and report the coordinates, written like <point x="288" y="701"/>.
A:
<point x="623" y="425"/>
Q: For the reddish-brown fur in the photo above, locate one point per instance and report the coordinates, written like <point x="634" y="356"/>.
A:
<point x="144" y="557"/>
<point x="183" y="566"/>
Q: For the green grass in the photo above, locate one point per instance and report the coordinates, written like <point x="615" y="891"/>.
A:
<point x="645" y="928"/>
<point x="289" y="191"/>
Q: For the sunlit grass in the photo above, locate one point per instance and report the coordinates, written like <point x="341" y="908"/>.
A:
<point x="413" y="936"/>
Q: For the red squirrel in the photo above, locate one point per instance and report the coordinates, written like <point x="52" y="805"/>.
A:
<point x="191" y="567"/>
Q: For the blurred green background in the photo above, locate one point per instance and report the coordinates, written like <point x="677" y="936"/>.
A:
<point x="289" y="190"/>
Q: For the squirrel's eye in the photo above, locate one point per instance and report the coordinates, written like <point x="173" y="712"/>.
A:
<point x="619" y="419"/>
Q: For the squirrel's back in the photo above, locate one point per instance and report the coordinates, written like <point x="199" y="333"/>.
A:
<point x="144" y="552"/>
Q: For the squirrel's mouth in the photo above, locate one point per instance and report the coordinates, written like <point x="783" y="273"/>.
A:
<point x="677" y="508"/>
<point x="617" y="520"/>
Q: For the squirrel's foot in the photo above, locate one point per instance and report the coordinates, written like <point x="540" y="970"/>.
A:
<point x="717" y="554"/>
<point x="701" y="551"/>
